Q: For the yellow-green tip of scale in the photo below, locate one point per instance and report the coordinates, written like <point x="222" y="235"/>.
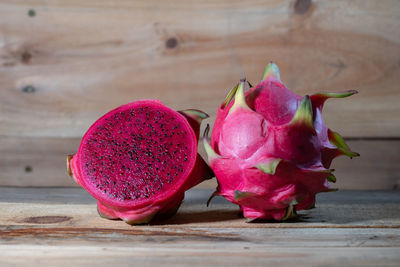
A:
<point x="272" y="71"/>
<point x="211" y="154"/>
<point x="337" y="95"/>
<point x="304" y="112"/>
<point x="338" y="141"/>
<point x="196" y="114"/>
<point x="240" y="99"/>
<point x="269" y="167"/>
<point x="290" y="213"/>
<point x="239" y="195"/>
<point x="230" y="95"/>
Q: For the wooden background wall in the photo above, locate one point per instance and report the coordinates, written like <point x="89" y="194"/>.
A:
<point x="65" y="63"/>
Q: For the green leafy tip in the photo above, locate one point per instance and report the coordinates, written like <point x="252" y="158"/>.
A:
<point x="272" y="71"/>
<point x="69" y="158"/>
<point x="211" y="154"/>
<point x="240" y="195"/>
<point x="270" y="166"/>
<point x="304" y="112"/>
<point x="250" y="220"/>
<point x="331" y="178"/>
<point x="337" y="95"/>
<point x="196" y="114"/>
<point x="319" y="170"/>
<point x="290" y="213"/>
<point x="240" y="99"/>
<point x="138" y="222"/>
<point x="338" y="141"/>
<point x="231" y="93"/>
<point x="326" y="170"/>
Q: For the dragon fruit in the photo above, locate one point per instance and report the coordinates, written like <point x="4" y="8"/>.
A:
<point x="270" y="149"/>
<point x="139" y="159"/>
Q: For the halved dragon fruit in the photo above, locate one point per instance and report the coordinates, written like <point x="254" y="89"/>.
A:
<point x="139" y="159"/>
<point x="270" y="149"/>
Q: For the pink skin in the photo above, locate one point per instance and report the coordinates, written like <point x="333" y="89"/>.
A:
<point x="164" y="201"/>
<point x="268" y="126"/>
<point x="236" y="140"/>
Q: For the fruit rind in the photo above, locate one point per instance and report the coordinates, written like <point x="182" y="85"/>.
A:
<point x="271" y="150"/>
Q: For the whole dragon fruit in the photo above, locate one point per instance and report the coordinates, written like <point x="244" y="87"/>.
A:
<point x="270" y="149"/>
<point x="139" y="159"/>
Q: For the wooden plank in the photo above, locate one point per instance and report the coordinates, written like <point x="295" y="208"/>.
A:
<point x="23" y="208"/>
<point x="35" y="161"/>
<point x="41" y="162"/>
<point x="106" y="255"/>
<point x="373" y="170"/>
<point x="63" y="64"/>
<point x="43" y="226"/>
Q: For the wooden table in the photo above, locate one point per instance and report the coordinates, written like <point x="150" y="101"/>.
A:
<point x="53" y="226"/>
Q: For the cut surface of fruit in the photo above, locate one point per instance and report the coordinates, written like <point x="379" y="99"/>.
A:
<point x="140" y="156"/>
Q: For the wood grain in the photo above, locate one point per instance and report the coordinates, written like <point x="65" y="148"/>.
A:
<point x="47" y="226"/>
<point x="26" y="161"/>
<point x="64" y="63"/>
<point x="106" y="255"/>
<point x="74" y="207"/>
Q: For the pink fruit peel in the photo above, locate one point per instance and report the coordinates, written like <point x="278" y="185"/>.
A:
<point x="270" y="149"/>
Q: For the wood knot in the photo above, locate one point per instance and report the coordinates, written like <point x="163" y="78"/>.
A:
<point x="171" y="43"/>
<point x="28" y="89"/>
<point x="26" y="57"/>
<point x="302" y="6"/>
<point x="28" y="168"/>
<point x="46" y="219"/>
<point x="31" y="13"/>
